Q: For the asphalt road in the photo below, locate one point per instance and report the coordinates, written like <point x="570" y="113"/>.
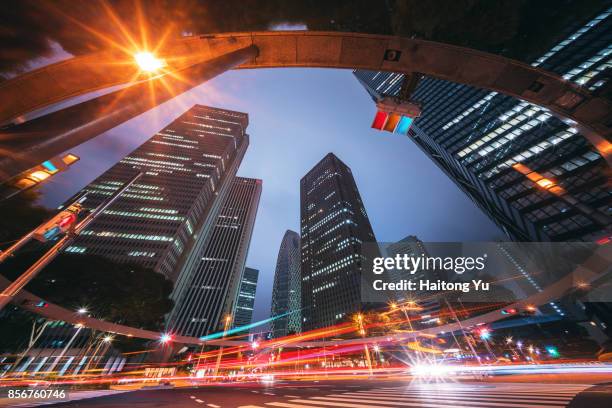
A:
<point x="362" y="394"/>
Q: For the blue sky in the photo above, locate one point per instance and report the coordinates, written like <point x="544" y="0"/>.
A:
<point x="296" y="117"/>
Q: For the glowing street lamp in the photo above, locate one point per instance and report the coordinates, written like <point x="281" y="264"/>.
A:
<point x="107" y="339"/>
<point x="582" y="285"/>
<point x="485" y="334"/>
<point x="148" y="62"/>
<point x="165" y="338"/>
<point x="552" y="350"/>
<point x="82" y="310"/>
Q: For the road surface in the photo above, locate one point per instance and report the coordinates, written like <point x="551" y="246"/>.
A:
<point x="364" y="394"/>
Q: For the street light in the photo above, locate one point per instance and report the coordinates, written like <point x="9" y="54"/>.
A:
<point x="165" y="338"/>
<point x="148" y="62"/>
<point x="82" y="310"/>
<point x="107" y="339"/>
<point x="485" y="334"/>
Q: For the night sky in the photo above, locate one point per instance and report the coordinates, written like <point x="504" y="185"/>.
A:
<point x="296" y="117"/>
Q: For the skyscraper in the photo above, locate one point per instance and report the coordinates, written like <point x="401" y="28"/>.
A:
<point x="429" y="304"/>
<point x="411" y="246"/>
<point x="243" y="309"/>
<point x="507" y="154"/>
<point x="208" y="288"/>
<point x="334" y="225"/>
<point x="287" y="290"/>
<point x="187" y="169"/>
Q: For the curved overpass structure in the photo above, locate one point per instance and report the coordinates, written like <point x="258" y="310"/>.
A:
<point x="597" y="266"/>
<point x="27" y="301"/>
<point x="189" y="58"/>
<point x="80" y="75"/>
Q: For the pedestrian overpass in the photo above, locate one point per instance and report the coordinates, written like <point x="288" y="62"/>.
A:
<point x="193" y="60"/>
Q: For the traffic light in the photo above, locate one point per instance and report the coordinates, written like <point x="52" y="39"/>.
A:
<point x="395" y="116"/>
<point x="392" y="122"/>
<point x="379" y="120"/>
<point x="36" y="175"/>
<point x="404" y="125"/>
<point x="57" y="225"/>
<point x="552" y="351"/>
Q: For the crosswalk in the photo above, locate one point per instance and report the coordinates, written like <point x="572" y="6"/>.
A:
<point x="449" y="395"/>
<point x="73" y="396"/>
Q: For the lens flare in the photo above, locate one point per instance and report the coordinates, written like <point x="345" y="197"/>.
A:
<point x="148" y="62"/>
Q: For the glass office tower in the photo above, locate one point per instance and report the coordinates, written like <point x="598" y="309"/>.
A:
<point x="187" y="168"/>
<point x="208" y="289"/>
<point x="489" y="142"/>
<point x="287" y="290"/>
<point x="243" y="310"/>
<point x="334" y="225"/>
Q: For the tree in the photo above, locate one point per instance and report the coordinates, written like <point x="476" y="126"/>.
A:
<point x="20" y="214"/>
<point x="119" y="293"/>
<point x="16" y="327"/>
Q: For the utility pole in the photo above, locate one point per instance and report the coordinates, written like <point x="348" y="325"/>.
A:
<point x="228" y="320"/>
<point x="16" y="286"/>
<point x="365" y="345"/>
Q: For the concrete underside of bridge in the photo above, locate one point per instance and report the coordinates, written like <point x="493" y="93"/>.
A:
<point x="80" y="75"/>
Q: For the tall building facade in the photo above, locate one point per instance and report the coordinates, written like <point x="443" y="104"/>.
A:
<point x="411" y="246"/>
<point x="208" y="290"/>
<point x="167" y="214"/>
<point x="243" y="309"/>
<point x="287" y="289"/>
<point x="334" y="225"/>
<point x="429" y="304"/>
<point x="489" y="143"/>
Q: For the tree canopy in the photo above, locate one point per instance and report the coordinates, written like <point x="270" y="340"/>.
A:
<point x="20" y="214"/>
<point x="120" y="293"/>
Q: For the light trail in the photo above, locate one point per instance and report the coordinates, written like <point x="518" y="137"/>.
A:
<point x="245" y="327"/>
